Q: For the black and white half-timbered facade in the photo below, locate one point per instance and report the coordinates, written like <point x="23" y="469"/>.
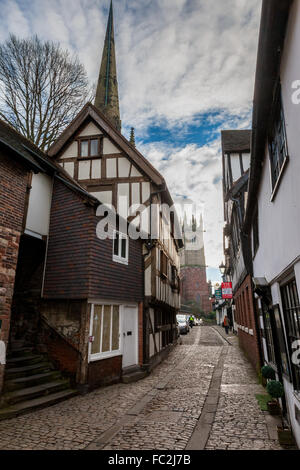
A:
<point x="110" y="168"/>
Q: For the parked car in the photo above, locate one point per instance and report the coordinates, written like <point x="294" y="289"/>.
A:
<point x="183" y="324"/>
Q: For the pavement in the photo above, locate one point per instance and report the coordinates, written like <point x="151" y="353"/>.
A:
<point x="201" y="397"/>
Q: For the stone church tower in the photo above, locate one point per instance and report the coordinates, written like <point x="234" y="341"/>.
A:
<point x="195" y="289"/>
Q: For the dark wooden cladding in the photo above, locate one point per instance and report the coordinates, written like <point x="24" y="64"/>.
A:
<point x="79" y="265"/>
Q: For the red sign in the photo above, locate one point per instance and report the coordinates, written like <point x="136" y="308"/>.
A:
<point x="226" y="290"/>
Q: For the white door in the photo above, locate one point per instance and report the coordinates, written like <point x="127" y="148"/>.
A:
<point x="130" y="336"/>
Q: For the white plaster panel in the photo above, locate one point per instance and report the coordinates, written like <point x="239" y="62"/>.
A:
<point x="96" y="169"/>
<point x="69" y="167"/>
<point x="111" y="168"/>
<point x="90" y="129"/>
<point x="246" y="161"/>
<point x="235" y="166"/>
<point x="109" y="147"/>
<point x="103" y="196"/>
<point x="123" y="199"/>
<point x="71" y="151"/>
<point x="148" y="281"/>
<point x="39" y="207"/>
<point x="124" y="167"/>
<point x="145" y="191"/>
<point x="134" y="172"/>
<point x="135" y="190"/>
<point x="84" y="170"/>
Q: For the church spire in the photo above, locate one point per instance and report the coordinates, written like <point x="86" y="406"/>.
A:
<point x="132" y="137"/>
<point x="107" y="97"/>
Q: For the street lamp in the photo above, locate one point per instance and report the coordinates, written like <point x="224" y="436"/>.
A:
<point x="222" y="268"/>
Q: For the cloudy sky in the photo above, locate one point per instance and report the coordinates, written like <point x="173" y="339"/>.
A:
<point x="185" y="70"/>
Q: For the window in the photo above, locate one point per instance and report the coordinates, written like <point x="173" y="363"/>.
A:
<point x="277" y="140"/>
<point x="120" y="248"/>
<point x="291" y="310"/>
<point x="163" y="265"/>
<point x="89" y="147"/>
<point x="268" y="333"/>
<point x="105" y="331"/>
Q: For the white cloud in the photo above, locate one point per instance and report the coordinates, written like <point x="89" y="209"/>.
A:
<point x="176" y="60"/>
<point x="195" y="172"/>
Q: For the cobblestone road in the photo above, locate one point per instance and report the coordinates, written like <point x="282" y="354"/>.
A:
<point x="160" y="412"/>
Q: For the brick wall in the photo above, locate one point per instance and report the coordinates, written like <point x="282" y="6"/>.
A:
<point x="13" y="183"/>
<point x="60" y="352"/>
<point x="245" y="317"/>
<point x="104" y="372"/>
<point x="195" y="287"/>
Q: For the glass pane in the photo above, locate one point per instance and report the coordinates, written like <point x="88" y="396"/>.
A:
<point x="115" y="329"/>
<point x="116" y="244"/>
<point x="94" y="147"/>
<point x="84" y="148"/>
<point x="123" y="248"/>
<point x="106" y="328"/>
<point x="96" y="329"/>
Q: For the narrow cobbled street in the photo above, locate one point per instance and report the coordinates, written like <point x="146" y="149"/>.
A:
<point x="201" y="397"/>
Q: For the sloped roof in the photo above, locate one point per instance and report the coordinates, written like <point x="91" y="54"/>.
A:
<point x="89" y="110"/>
<point x="236" y="140"/>
<point x="34" y="158"/>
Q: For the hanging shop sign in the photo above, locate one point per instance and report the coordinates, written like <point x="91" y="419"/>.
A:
<point x="226" y="290"/>
<point x="218" y="294"/>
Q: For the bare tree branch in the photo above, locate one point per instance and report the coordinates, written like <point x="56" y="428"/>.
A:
<point x="42" y="88"/>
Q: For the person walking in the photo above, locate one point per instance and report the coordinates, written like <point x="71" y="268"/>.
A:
<point x="226" y="324"/>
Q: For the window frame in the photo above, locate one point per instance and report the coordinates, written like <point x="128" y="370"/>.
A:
<point x="277" y="142"/>
<point x="118" y="258"/>
<point x="89" y="138"/>
<point x="163" y="264"/>
<point x="112" y="353"/>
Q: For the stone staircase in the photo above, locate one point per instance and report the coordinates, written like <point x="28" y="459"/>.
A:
<point x="31" y="382"/>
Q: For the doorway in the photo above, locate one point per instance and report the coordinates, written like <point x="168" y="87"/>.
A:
<point x="130" y="336"/>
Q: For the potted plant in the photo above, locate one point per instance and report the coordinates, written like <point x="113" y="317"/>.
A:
<point x="285" y="435"/>
<point x="268" y="374"/>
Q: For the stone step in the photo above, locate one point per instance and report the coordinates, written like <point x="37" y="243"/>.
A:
<point x="23" y="360"/>
<point x="133" y="376"/>
<point x="16" y="372"/>
<point x="30" y="381"/>
<point x="25" y="351"/>
<point x="17" y="343"/>
<point x="29" y="393"/>
<point x="35" y="404"/>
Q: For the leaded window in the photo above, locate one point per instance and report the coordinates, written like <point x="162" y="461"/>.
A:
<point x="277" y="140"/>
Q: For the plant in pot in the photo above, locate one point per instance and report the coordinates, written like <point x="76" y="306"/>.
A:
<point x="268" y="374"/>
<point x="285" y="436"/>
